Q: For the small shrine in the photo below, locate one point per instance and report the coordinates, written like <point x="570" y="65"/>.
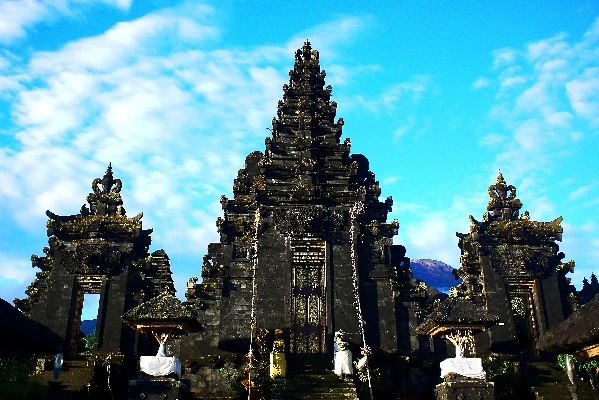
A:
<point x="457" y="319"/>
<point x="166" y="319"/>
<point x="508" y="256"/>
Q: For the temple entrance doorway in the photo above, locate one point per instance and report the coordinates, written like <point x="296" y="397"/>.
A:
<point x="522" y="298"/>
<point x="308" y="289"/>
<point x="86" y="305"/>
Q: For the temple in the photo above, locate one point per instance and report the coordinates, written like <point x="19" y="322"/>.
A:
<point x="305" y="255"/>
<point x="290" y="227"/>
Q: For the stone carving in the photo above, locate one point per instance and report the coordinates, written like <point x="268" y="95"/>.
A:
<point x="515" y="256"/>
<point x="93" y="259"/>
<point x="298" y="221"/>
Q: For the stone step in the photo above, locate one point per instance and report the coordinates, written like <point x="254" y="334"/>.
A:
<point x="72" y="381"/>
<point x="549" y="382"/>
<point x="279" y="393"/>
<point x="310" y="377"/>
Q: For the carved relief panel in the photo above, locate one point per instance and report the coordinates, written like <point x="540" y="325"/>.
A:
<point x="308" y="288"/>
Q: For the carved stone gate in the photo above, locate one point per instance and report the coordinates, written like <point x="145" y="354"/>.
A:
<point x="100" y="251"/>
<point x="522" y="298"/>
<point x="308" y="289"/>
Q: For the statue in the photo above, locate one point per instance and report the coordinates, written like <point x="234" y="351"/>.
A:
<point x="343" y="361"/>
<point x="278" y="365"/>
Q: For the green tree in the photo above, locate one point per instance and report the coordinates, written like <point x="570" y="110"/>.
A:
<point x="15" y="383"/>
<point x="588" y="369"/>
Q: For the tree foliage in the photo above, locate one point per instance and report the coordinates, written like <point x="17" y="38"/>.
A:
<point x="15" y="383"/>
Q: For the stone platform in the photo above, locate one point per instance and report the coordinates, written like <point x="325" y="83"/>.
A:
<point x="465" y="390"/>
<point x="151" y="388"/>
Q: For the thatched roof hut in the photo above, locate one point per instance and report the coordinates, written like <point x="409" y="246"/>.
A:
<point x="579" y="334"/>
<point x="163" y="317"/>
<point x="456" y="313"/>
<point x="21" y="336"/>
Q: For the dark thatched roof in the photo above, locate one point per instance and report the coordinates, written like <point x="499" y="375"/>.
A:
<point x="21" y="336"/>
<point x="164" y="310"/>
<point x="578" y="331"/>
<point x="456" y="313"/>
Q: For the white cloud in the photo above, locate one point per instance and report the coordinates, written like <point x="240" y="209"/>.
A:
<point x="512" y="80"/>
<point x="555" y="46"/>
<point x="480" y="83"/>
<point x="15" y="16"/>
<point x="492" y="140"/>
<point x="581" y="191"/>
<point x="402" y="130"/>
<point x="503" y="57"/>
<point x="390" y="97"/>
<point x="535" y="97"/>
<point x="583" y="93"/>
<point x="433" y="235"/>
<point x="16" y="270"/>
<point x="19" y="16"/>
<point x="151" y="96"/>
<point x="544" y="101"/>
<point x="390" y="179"/>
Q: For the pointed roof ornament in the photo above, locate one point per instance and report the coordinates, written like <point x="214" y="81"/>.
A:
<point x="306" y="110"/>
<point x="306" y="56"/>
<point x="108" y="179"/>
<point x="503" y="203"/>
<point x="499" y="177"/>
<point x="106" y="197"/>
<point x="307" y="49"/>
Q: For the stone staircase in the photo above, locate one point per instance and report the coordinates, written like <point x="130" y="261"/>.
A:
<point x="549" y="382"/>
<point x="311" y="377"/>
<point x="72" y="381"/>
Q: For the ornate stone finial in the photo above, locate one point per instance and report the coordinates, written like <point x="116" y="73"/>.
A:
<point x="305" y="54"/>
<point x="107" y="182"/>
<point x="503" y="202"/>
<point x="106" y="197"/>
<point x="307" y="50"/>
<point x="500" y="177"/>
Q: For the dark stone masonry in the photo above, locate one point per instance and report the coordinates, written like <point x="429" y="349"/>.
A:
<point x="512" y="265"/>
<point x="305" y="246"/>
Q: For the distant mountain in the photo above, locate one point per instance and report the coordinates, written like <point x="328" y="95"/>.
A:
<point x="88" y="326"/>
<point x="434" y="273"/>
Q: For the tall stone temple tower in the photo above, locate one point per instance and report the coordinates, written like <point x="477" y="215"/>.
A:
<point x="99" y="251"/>
<point x="291" y="226"/>
<point x="513" y="266"/>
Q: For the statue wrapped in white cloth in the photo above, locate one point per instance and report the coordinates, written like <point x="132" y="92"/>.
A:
<point x="343" y="361"/>
<point x="468" y="367"/>
<point x="160" y="364"/>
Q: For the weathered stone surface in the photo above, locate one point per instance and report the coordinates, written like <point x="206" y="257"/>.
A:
<point x="290" y="219"/>
<point x="512" y="265"/>
<point x="157" y="389"/>
<point x="100" y="251"/>
<point x="465" y="390"/>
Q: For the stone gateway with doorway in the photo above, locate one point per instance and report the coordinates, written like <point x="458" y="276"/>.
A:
<point x="305" y="249"/>
<point x="290" y="246"/>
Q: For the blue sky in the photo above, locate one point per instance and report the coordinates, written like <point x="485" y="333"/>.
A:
<point x="437" y="95"/>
